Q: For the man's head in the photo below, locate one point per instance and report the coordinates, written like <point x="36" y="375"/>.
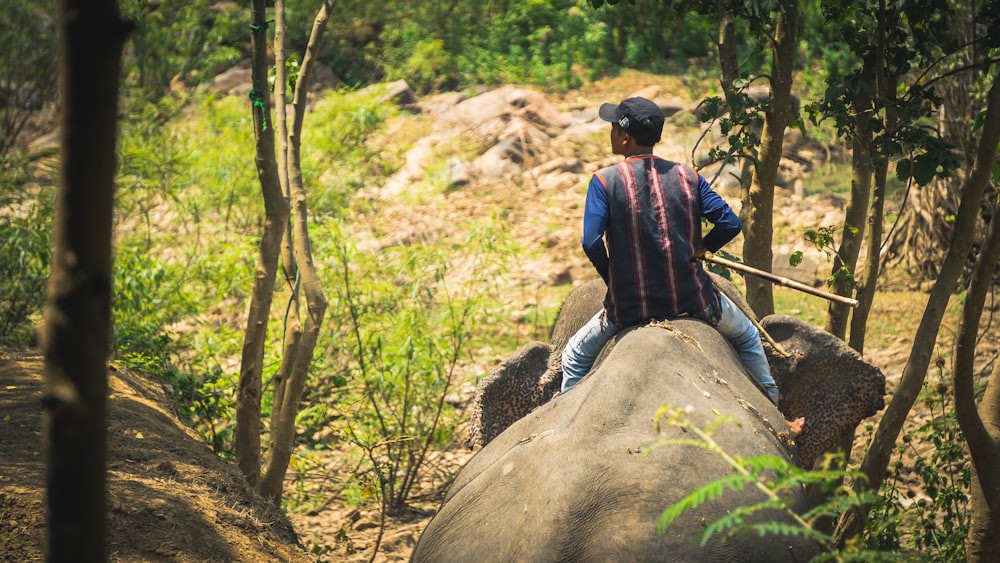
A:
<point x="640" y="118"/>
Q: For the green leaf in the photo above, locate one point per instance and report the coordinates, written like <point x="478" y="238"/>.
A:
<point x="924" y="169"/>
<point x="903" y="170"/>
<point x="795" y="259"/>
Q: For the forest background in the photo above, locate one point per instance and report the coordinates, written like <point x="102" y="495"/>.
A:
<point x="401" y="324"/>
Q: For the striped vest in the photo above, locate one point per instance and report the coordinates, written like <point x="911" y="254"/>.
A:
<point x="654" y="229"/>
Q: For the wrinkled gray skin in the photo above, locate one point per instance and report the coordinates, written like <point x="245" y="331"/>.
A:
<point x="570" y="481"/>
<point x="563" y="477"/>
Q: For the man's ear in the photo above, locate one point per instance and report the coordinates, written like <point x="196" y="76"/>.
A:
<point x="627" y="139"/>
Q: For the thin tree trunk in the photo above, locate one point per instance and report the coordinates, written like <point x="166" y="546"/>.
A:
<point x="283" y="433"/>
<point x="836" y="322"/>
<point x="883" y="444"/>
<point x="759" y="229"/>
<point x="728" y="59"/>
<point x="983" y="542"/>
<point x="292" y="322"/>
<point x="885" y="85"/>
<point x="78" y="302"/>
<point x="846" y="259"/>
<point x="729" y="64"/>
<point x="276" y="216"/>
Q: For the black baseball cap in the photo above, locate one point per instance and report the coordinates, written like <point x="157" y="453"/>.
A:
<point x="642" y="118"/>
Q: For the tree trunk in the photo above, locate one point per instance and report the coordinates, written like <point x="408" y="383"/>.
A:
<point x="299" y="360"/>
<point x="885" y="86"/>
<point x="728" y="57"/>
<point x="293" y="324"/>
<point x="276" y="215"/>
<point x="883" y="443"/>
<point x="983" y="544"/>
<point x="846" y="260"/>
<point x="759" y="229"/>
<point x="78" y="302"/>
<point x="983" y="438"/>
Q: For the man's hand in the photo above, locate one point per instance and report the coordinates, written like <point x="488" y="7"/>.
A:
<point x="699" y="254"/>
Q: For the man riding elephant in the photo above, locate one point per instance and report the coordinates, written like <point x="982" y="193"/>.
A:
<point x="650" y="209"/>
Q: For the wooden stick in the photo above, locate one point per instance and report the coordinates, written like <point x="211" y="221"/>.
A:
<point x="779" y="280"/>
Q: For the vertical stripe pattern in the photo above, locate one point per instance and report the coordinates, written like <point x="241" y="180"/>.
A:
<point x="654" y="229"/>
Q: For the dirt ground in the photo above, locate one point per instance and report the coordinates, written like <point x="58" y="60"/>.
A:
<point x="169" y="497"/>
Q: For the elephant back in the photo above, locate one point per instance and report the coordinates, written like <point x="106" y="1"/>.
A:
<point x="579" y="478"/>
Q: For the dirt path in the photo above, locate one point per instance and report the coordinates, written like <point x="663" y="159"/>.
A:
<point x="169" y="497"/>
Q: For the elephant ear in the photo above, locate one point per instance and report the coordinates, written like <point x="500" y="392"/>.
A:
<point x="532" y="375"/>
<point x="823" y="380"/>
<point x="512" y="390"/>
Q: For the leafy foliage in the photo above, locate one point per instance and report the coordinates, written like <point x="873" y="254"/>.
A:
<point x="824" y="240"/>
<point x="180" y="40"/>
<point x="935" y="521"/>
<point x="25" y="252"/>
<point x="410" y="313"/>
<point x="774" y="477"/>
<point x="28" y="68"/>
<point x="913" y="46"/>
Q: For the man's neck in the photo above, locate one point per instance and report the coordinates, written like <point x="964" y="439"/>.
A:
<point x="638" y="151"/>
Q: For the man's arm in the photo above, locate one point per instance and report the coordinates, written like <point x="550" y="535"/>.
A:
<point x="595" y="221"/>
<point x="725" y="224"/>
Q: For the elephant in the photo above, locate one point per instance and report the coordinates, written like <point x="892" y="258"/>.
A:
<point x="571" y="477"/>
<point x="819" y="377"/>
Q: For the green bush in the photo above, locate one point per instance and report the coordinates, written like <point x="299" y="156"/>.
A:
<point x="25" y="253"/>
<point x="407" y="314"/>
<point x="933" y="517"/>
<point x="337" y="140"/>
<point x="180" y="40"/>
<point x="145" y="301"/>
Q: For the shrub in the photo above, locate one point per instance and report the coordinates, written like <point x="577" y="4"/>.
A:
<point x="25" y="252"/>
<point x="408" y="313"/>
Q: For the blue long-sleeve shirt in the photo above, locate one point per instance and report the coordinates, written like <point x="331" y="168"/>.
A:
<point x="725" y="223"/>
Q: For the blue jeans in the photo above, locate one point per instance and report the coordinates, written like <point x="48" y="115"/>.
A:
<point x="745" y="338"/>
<point x="582" y="349"/>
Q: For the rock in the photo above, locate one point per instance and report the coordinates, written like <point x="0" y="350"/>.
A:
<point x="322" y="78"/>
<point x="399" y="93"/>
<point x="458" y="173"/>
<point x="234" y="81"/>
<point x="560" y="164"/>
<point x="506" y="100"/>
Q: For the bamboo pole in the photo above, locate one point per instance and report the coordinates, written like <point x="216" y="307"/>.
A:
<point x="779" y="280"/>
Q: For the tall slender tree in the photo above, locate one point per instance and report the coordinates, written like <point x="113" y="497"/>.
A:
<point x="276" y="212"/>
<point x="78" y="305"/>
<point x="299" y="349"/>
<point x="286" y="235"/>
<point x="980" y="426"/>
<point x="758" y="201"/>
